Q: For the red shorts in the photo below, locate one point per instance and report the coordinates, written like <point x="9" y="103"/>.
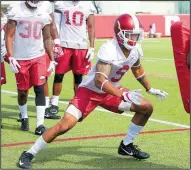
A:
<point x="87" y="100"/>
<point x="3" y="74"/>
<point x="73" y="59"/>
<point x="32" y="73"/>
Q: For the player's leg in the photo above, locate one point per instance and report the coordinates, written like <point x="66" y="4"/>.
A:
<point x="22" y="101"/>
<point x="46" y="93"/>
<point x="67" y="123"/>
<point x="46" y="88"/>
<point x="79" y="66"/>
<point x="77" y="81"/>
<point x="37" y="73"/>
<point x="48" y="114"/>
<point x="23" y="86"/>
<point x="142" y="114"/>
<point x="3" y="78"/>
<point x="62" y="68"/>
<point x="79" y="107"/>
<point x="139" y="120"/>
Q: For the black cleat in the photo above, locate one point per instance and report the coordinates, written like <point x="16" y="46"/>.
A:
<point x="19" y="118"/>
<point x="25" y="160"/>
<point x="53" y="109"/>
<point x="25" y="124"/>
<point x="40" y="130"/>
<point x="48" y="115"/>
<point x="132" y="150"/>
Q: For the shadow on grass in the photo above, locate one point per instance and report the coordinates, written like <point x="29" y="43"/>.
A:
<point x="97" y="158"/>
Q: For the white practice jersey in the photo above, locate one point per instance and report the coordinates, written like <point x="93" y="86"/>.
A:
<point x="28" y="39"/>
<point x="73" y="23"/>
<point x="111" y="53"/>
<point x="3" y="48"/>
<point x="47" y="6"/>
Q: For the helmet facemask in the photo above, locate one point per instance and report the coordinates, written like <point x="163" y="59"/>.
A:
<point x="33" y="4"/>
<point x="130" y="38"/>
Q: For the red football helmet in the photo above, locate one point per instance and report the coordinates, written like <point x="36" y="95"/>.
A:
<point x="33" y="4"/>
<point x="128" y="31"/>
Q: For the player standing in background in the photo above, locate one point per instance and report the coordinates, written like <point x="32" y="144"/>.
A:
<point x="29" y="27"/>
<point x="48" y="6"/>
<point x="73" y="19"/>
<point x="3" y="49"/>
<point x="101" y="87"/>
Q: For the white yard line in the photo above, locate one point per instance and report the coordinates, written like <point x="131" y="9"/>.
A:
<point x="123" y="114"/>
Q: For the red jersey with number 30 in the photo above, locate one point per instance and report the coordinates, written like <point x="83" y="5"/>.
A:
<point x="28" y="40"/>
<point x="111" y="53"/>
<point x="73" y="20"/>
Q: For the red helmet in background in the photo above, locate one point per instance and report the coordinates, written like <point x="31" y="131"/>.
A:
<point x="128" y="30"/>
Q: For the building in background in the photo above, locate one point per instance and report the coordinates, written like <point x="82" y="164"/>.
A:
<point x="119" y="7"/>
<point x="152" y="7"/>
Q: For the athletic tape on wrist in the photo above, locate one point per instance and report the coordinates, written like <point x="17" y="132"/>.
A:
<point x="103" y="74"/>
<point x="103" y="84"/>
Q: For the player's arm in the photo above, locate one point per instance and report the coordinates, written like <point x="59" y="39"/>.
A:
<point x="9" y="36"/>
<point x="57" y="19"/>
<point x="139" y="74"/>
<point x="48" y="44"/>
<point x="53" y="29"/>
<point x="91" y="29"/>
<point x="101" y="79"/>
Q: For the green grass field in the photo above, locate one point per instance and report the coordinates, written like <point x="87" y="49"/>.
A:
<point x="94" y="142"/>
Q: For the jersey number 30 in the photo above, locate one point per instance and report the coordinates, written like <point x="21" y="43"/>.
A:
<point x="33" y="29"/>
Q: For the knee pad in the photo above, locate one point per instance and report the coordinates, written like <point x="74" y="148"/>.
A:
<point x="39" y="98"/>
<point x="58" y="78"/>
<point x="77" y="78"/>
<point x="23" y="93"/>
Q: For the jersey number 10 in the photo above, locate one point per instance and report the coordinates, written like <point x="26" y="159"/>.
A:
<point x="33" y="29"/>
<point x="77" y="18"/>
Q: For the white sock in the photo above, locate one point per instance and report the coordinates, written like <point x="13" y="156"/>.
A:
<point x="40" y="110"/>
<point x="133" y="131"/>
<point x="37" y="146"/>
<point x="47" y="99"/>
<point x="23" y="110"/>
<point x="54" y="100"/>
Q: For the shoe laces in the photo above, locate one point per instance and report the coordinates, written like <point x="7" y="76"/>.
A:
<point x="28" y="155"/>
<point x="136" y="149"/>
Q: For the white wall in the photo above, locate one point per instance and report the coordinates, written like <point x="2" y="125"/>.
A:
<point x="155" y="7"/>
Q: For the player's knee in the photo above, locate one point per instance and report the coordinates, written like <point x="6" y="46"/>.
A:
<point x="39" y="93"/>
<point x="78" y="78"/>
<point x="22" y="94"/>
<point x="147" y="109"/>
<point x="61" y="128"/>
<point x="58" y="78"/>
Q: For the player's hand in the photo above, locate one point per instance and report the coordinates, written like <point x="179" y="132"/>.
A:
<point x="90" y="54"/>
<point x="133" y="96"/>
<point x="161" y="95"/>
<point x="58" y="52"/>
<point x="14" y="65"/>
<point x="51" y="67"/>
